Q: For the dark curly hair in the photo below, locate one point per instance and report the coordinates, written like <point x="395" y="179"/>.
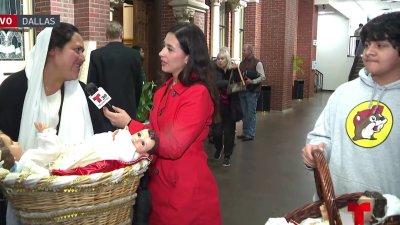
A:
<point x="382" y="28"/>
<point x="61" y="35"/>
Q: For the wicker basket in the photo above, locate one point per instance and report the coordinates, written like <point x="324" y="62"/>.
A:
<point x="326" y="193"/>
<point x="102" y="198"/>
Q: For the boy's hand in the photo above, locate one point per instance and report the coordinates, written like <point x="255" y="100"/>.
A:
<point x="307" y="156"/>
<point x="40" y="126"/>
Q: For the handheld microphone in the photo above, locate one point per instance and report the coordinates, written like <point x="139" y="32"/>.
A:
<point x="99" y="96"/>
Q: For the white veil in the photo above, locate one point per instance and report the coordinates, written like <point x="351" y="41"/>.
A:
<point x="75" y="121"/>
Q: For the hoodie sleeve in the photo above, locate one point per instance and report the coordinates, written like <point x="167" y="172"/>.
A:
<point x="321" y="132"/>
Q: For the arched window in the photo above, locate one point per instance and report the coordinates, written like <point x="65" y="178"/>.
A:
<point x="12" y="45"/>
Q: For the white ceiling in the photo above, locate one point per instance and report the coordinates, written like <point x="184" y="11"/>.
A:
<point x="371" y="8"/>
<point x="368" y="5"/>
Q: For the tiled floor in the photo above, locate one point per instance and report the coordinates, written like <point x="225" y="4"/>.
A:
<point x="267" y="177"/>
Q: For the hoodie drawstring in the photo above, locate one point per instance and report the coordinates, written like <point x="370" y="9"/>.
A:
<point x="379" y="97"/>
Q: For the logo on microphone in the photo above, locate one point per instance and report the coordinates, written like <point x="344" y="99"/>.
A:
<point x="100" y="98"/>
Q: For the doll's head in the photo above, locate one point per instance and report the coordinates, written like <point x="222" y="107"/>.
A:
<point x="145" y="141"/>
<point x="377" y="203"/>
<point x="6" y="147"/>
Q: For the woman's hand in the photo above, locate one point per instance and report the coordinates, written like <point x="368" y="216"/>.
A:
<point x="307" y="156"/>
<point x="120" y="118"/>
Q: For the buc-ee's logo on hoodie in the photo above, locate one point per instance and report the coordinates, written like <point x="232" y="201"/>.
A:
<point x="369" y="124"/>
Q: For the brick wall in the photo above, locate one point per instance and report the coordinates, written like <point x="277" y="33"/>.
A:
<point x="168" y="19"/>
<point x="64" y="8"/>
<point x="250" y="27"/>
<point x="278" y="30"/>
<point x="91" y="17"/>
<point x="305" y="49"/>
<point x="199" y="20"/>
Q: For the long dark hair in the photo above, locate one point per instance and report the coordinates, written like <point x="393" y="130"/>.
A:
<point x="198" y="69"/>
<point x="62" y="34"/>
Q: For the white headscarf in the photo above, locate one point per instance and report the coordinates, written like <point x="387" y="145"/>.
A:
<point x="75" y="121"/>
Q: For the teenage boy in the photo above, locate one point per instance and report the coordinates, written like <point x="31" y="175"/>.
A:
<point x="357" y="130"/>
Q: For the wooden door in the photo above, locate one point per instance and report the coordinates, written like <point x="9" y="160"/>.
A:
<point x="140" y="29"/>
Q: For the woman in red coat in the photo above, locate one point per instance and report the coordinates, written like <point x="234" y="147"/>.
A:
<point x="183" y="189"/>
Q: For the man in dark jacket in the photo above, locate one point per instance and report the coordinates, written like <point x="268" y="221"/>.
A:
<point x="117" y="68"/>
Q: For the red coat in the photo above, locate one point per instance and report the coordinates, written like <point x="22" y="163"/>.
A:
<point x="183" y="189"/>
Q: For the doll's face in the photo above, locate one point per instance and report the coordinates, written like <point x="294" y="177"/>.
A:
<point x="14" y="147"/>
<point x="142" y="141"/>
<point x="368" y="216"/>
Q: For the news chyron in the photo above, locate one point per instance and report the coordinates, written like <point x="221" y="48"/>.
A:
<point x="13" y="21"/>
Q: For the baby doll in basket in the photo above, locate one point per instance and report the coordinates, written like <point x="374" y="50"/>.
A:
<point x="381" y="207"/>
<point x="102" y="152"/>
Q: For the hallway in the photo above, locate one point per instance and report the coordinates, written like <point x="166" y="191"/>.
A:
<point x="267" y="177"/>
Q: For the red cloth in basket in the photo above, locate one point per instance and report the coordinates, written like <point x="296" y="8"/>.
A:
<point x="102" y="166"/>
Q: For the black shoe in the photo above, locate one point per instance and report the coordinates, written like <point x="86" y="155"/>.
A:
<point x="227" y="162"/>
<point x="217" y="155"/>
<point x="240" y="136"/>
<point x="247" y="139"/>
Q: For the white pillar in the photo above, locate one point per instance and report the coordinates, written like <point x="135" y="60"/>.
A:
<point x="237" y="5"/>
<point x="215" y="16"/>
<point x="236" y="35"/>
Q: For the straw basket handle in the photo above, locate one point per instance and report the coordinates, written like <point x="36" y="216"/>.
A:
<point x="324" y="185"/>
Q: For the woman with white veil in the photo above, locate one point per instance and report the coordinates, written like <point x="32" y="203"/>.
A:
<point x="48" y="90"/>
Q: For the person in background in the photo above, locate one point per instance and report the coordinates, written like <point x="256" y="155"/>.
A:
<point x="224" y="131"/>
<point x="359" y="135"/>
<point x="117" y="68"/>
<point x="248" y="99"/>
<point x="48" y="90"/>
<point x="141" y="51"/>
<point x="357" y="34"/>
<point x="183" y="189"/>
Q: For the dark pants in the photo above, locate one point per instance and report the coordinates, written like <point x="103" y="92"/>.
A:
<point x="224" y="132"/>
<point x="142" y="207"/>
<point x="357" y="43"/>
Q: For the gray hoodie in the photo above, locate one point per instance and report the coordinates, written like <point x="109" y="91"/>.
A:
<point x="362" y="141"/>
